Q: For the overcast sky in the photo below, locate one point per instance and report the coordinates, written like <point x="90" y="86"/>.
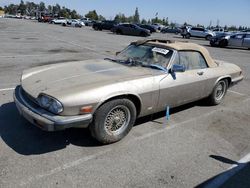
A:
<point x="228" y="12"/>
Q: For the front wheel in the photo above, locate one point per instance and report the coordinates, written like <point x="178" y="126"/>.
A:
<point x="219" y="92"/>
<point x="113" y="120"/>
<point x="208" y="37"/>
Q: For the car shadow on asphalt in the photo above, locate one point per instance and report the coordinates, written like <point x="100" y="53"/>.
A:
<point x="238" y="176"/>
<point x="26" y="139"/>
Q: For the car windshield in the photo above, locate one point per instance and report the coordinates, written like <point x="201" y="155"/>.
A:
<point x="146" y="56"/>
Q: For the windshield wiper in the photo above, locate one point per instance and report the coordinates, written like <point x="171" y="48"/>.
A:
<point x="154" y="66"/>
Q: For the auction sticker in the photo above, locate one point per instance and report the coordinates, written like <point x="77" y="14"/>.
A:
<point x="160" y="50"/>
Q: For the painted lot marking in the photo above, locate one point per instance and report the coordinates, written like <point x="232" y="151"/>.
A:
<point x="7" y="89"/>
<point x="235" y="92"/>
<point x="230" y="172"/>
<point x="63" y="167"/>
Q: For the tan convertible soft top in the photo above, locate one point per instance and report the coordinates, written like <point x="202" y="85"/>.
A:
<point x="181" y="46"/>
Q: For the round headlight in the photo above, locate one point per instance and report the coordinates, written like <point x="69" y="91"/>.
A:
<point x="44" y="101"/>
<point x="50" y="104"/>
<point x="55" y="107"/>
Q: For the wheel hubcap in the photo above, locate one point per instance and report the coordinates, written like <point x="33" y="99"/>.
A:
<point x="220" y="90"/>
<point x="117" y="119"/>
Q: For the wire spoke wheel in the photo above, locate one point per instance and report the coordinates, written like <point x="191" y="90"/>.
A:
<point x="220" y="91"/>
<point x="117" y="119"/>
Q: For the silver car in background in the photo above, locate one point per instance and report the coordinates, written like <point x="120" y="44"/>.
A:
<point x="233" y="40"/>
<point x="200" y="32"/>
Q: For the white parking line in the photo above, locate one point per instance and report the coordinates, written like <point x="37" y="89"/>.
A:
<point x="7" y="89"/>
<point x="238" y="93"/>
<point x="63" y="167"/>
<point x="230" y="172"/>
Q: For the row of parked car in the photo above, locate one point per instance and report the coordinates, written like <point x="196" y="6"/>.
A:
<point x="133" y="29"/>
<point x="217" y="37"/>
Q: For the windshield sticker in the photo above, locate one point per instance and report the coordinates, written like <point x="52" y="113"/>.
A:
<point x="160" y="50"/>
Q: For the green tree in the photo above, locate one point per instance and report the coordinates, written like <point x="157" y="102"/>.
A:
<point x="74" y="15"/>
<point x="101" y="18"/>
<point x="136" y="16"/>
<point x="56" y="9"/>
<point x="42" y="6"/>
<point x="11" y="9"/>
<point x="92" y="15"/>
<point x="22" y="8"/>
<point x="143" y="21"/>
<point x="172" y="24"/>
<point x="1" y="8"/>
<point x="50" y="9"/>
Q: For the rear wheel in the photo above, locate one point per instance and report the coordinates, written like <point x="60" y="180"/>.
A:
<point x="219" y="91"/>
<point x="113" y="120"/>
<point x="119" y="32"/>
<point x="143" y="34"/>
<point x="188" y="36"/>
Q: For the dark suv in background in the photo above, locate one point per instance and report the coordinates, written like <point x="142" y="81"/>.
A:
<point x="106" y="25"/>
<point x="130" y="29"/>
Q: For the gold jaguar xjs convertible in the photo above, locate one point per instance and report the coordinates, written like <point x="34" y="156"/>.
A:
<point x="107" y="95"/>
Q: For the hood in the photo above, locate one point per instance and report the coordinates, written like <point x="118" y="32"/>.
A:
<point x="55" y="79"/>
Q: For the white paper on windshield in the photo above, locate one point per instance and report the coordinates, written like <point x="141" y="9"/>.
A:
<point x="160" y="50"/>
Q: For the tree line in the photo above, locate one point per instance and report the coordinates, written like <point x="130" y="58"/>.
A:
<point x="32" y="9"/>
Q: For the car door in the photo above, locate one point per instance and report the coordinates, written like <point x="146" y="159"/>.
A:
<point x="125" y="28"/>
<point x="183" y="87"/>
<point x="236" y="40"/>
<point x="201" y="32"/>
<point x="246" y="41"/>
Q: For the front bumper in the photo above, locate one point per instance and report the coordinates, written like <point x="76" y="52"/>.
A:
<point x="44" y="119"/>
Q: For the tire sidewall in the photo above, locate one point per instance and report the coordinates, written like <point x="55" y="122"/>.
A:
<point x="214" y="100"/>
<point x="97" y="128"/>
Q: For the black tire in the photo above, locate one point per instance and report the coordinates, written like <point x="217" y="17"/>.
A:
<point x="187" y="36"/>
<point x="223" y="43"/>
<point x="119" y="32"/>
<point x="212" y="44"/>
<point x="208" y="37"/>
<point x="219" y="92"/>
<point x="64" y="24"/>
<point x="104" y="126"/>
<point x="95" y="28"/>
<point x="143" y="34"/>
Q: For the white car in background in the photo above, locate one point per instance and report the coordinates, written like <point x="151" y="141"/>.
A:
<point x="74" y="23"/>
<point x="60" y="20"/>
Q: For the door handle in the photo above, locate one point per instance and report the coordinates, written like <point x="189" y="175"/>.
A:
<point x="200" y="73"/>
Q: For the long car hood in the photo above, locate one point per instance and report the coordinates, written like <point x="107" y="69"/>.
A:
<point x="55" y="79"/>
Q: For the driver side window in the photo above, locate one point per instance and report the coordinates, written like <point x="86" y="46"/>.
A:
<point x="191" y="60"/>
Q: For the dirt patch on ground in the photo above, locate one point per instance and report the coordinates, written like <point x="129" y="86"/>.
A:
<point x="61" y="50"/>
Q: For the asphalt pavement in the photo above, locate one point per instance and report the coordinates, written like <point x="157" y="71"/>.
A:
<point x="200" y="146"/>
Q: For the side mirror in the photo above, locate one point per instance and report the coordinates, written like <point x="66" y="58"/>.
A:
<point x="178" y="68"/>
